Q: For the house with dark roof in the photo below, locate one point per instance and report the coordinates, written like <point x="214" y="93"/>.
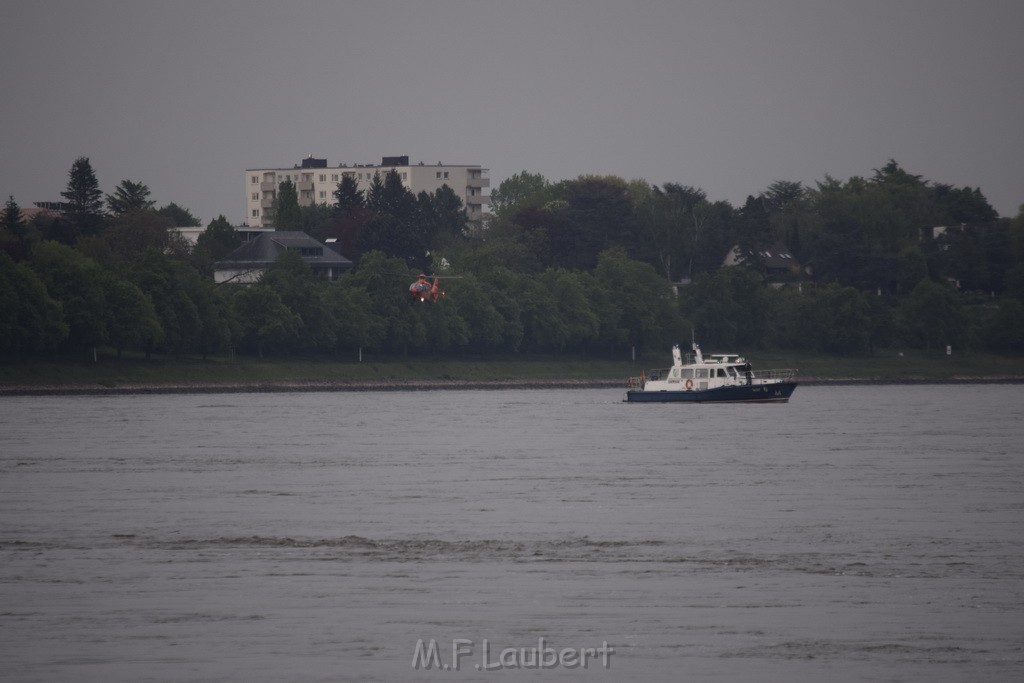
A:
<point x="248" y="263"/>
<point x="773" y="262"/>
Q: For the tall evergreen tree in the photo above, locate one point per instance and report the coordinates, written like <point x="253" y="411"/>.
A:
<point x="375" y="193"/>
<point x="219" y="239"/>
<point x="12" y="220"/>
<point x="14" y="231"/>
<point x="348" y="198"/>
<point x="396" y="199"/>
<point x="85" y="201"/>
<point x="287" y="215"/>
<point x="129" y="196"/>
<point x="181" y="216"/>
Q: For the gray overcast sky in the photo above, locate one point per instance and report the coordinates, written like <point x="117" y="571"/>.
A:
<point x="724" y="95"/>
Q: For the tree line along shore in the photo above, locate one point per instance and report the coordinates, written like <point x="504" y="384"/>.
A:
<point x="596" y="265"/>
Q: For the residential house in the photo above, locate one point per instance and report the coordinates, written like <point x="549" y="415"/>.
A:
<point x="248" y="263"/>
<point x="774" y="263"/>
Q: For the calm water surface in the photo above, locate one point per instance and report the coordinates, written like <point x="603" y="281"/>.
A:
<point x="856" y="533"/>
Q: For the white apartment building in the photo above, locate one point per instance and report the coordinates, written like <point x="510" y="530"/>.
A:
<point x="315" y="183"/>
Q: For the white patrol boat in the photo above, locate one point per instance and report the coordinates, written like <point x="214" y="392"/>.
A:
<point x="723" y="377"/>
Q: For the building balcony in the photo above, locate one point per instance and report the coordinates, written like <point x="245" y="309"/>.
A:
<point x="478" y="183"/>
<point x="266" y="202"/>
<point x="304" y="186"/>
<point x="268" y="186"/>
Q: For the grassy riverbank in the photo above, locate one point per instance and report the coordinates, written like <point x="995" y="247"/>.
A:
<point x="110" y="373"/>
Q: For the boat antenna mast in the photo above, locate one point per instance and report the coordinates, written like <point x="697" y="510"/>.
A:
<point x="697" y="356"/>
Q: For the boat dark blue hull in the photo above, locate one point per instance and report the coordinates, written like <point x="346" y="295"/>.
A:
<point x="763" y="393"/>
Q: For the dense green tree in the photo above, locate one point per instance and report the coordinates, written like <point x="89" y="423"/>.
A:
<point x="395" y="198"/>
<point x="77" y="283"/>
<point x="569" y="291"/>
<point x="286" y="212"/>
<point x="1005" y="330"/>
<point x="293" y="280"/>
<point x="131" y="319"/>
<point x="349" y="215"/>
<point x="445" y="210"/>
<point x="375" y="193"/>
<point x="386" y="280"/>
<point x="933" y="317"/>
<point x="545" y="233"/>
<point x="636" y="305"/>
<point x="667" y="224"/>
<point x="497" y="247"/>
<point x="543" y="328"/>
<point x="219" y="239"/>
<point x="443" y="326"/>
<point x="400" y="225"/>
<point x="503" y="293"/>
<point x="485" y="325"/>
<point x="14" y="231"/>
<point x="12" y="222"/>
<point x="129" y="236"/>
<point x="396" y="238"/>
<point x="358" y="325"/>
<point x="30" y="320"/>
<point x="165" y="281"/>
<point x="181" y="216"/>
<point x="84" y="214"/>
<point x="316" y="220"/>
<point x="219" y="329"/>
<point x="582" y="218"/>
<point x="1013" y="282"/>
<point x="713" y="236"/>
<point x="962" y="205"/>
<point x="129" y="196"/>
<point x="847" y="316"/>
<point x="265" y="322"/>
<point x="515" y="192"/>
<point x="348" y="198"/>
<point x="976" y="256"/>
<point x="600" y="214"/>
<point x="727" y="309"/>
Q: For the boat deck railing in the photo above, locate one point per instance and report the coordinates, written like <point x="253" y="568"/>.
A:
<point x="759" y="377"/>
<point x="783" y="375"/>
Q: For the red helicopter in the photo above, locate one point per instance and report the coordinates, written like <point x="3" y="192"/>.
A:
<point x="423" y="290"/>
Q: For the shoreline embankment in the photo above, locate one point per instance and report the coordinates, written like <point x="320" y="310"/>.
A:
<point x="431" y="385"/>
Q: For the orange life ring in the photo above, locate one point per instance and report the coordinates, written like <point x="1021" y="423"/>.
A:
<point x="689" y="384"/>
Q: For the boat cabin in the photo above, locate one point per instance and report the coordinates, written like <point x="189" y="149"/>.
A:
<point x="718" y="378"/>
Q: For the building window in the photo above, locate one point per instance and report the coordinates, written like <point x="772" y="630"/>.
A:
<point x="255" y="179"/>
<point x="438" y="174"/>
<point x="405" y="176"/>
<point x="255" y="196"/>
<point x="446" y="175"/>
<point x="308" y="251"/>
<point x="323" y="195"/>
<point x="255" y="213"/>
<point x="334" y="177"/>
<point x="323" y="178"/>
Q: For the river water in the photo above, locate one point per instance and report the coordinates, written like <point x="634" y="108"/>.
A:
<point x="855" y="533"/>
